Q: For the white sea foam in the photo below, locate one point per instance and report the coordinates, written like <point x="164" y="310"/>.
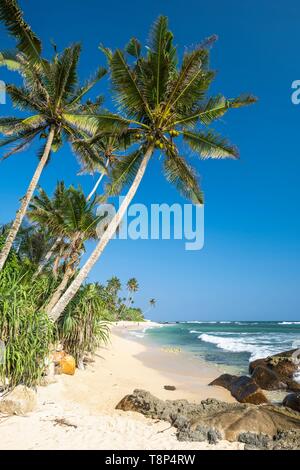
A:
<point x="289" y="323"/>
<point x="244" y="344"/>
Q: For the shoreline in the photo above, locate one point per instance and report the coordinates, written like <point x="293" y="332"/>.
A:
<point x="78" y="412"/>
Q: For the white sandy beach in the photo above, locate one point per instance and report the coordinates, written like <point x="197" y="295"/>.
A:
<point x="78" y="412"/>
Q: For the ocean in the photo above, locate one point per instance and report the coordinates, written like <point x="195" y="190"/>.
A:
<point x="231" y="345"/>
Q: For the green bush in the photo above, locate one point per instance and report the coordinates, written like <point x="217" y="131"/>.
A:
<point x="25" y="331"/>
<point x="81" y="328"/>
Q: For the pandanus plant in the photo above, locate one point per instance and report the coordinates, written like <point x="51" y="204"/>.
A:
<point x="161" y="104"/>
<point x="50" y="93"/>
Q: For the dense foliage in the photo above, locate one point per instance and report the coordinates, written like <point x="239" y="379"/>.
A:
<point x="26" y="331"/>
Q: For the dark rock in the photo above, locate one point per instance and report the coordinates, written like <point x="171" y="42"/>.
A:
<point x="170" y="387"/>
<point x="267" y="379"/>
<point x="244" y="389"/>
<point x="198" y="434"/>
<point x="292" y="401"/>
<point x="224" y="380"/>
<point x="282" y="364"/>
<point x="293" y="386"/>
<point x="212" y="419"/>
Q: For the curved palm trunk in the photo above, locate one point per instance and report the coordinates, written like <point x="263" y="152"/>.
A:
<point x="97" y="183"/>
<point x="70" y="270"/>
<point x="108" y="234"/>
<point x="56" y="296"/>
<point x="47" y="257"/>
<point x="25" y="201"/>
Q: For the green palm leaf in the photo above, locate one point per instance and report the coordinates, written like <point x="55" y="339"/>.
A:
<point x="183" y="176"/>
<point x="129" y="96"/>
<point x="124" y="172"/>
<point x="210" y="145"/>
<point x="28" y="42"/>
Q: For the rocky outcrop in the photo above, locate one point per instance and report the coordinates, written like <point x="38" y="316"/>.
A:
<point x="244" y="389"/>
<point x="292" y="401"/>
<point x="20" y="401"/>
<point x="211" y="419"/>
<point x="267" y="379"/>
<point x="282" y="366"/>
<point x="283" y="440"/>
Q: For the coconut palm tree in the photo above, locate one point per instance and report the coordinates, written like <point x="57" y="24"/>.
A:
<point x="50" y="94"/>
<point x="132" y="287"/>
<point x="71" y="218"/>
<point x="161" y="104"/>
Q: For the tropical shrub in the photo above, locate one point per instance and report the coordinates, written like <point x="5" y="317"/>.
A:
<point x="82" y="329"/>
<point x="25" y="331"/>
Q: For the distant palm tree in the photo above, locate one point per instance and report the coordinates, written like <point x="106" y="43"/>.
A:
<point x="50" y="93"/>
<point x="160" y="102"/>
<point x="132" y="287"/>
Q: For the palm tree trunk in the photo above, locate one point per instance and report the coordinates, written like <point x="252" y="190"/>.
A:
<point x="108" y="234"/>
<point x="56" y="296"/>
<point x="47" y="257"/>
<point x="69" y="272"/>
<point x="97" y="183"/>
<point x="25" y="201"/>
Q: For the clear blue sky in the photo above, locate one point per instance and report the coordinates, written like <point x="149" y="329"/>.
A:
<point x="249" y="267"/>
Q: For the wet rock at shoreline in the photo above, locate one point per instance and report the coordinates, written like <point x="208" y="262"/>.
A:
<point x="282" y="365"/>
<point x="292" y="401"/>
<point x="244" y="389"/>
<point x="213" y="420"/>
<point x="267" y="379"/>
<point x="20" y="401"/>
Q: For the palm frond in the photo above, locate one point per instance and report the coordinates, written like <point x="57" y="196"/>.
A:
<point x="28" y="42"/>
<point x="79" y="94"/>
<point x="91" y="123"/>
<point x="23" y="99"/>
<point x="242" y="100"/>
<point x="128" y="94"/>
<point x="208" y="144"/>
<point x="133" y="48"/>
<point x="192" y="81"/>
<point x="183" y="176"/>
<point x="209" y="111"/>
<point x="9" y="60"/>
<point x="124" y="172"/>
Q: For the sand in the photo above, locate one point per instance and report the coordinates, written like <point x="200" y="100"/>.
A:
<point x="78" y="412"/>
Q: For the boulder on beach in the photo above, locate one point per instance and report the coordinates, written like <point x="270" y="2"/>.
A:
<point x="292" y="400"/>
<point x="267" y="379"/>
<point x="20" y="401"/>
<point x="244" y="389"/>
<point x="283" y="365"/>
<point x="212" y="420"/>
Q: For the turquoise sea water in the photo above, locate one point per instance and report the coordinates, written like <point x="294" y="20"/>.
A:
<point x="228" y="344"/>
